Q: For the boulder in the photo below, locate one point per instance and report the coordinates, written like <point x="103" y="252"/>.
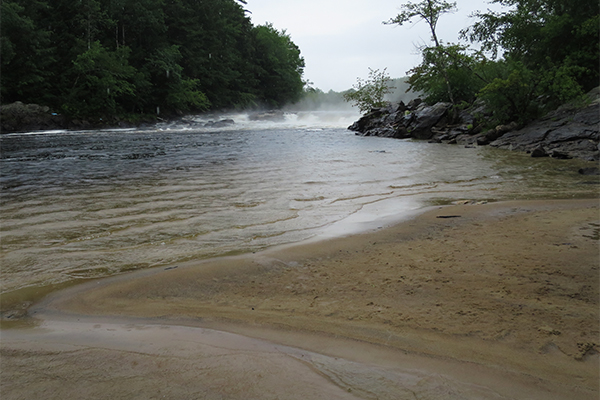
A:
<point x="426" y="118"/>
<point x="20" y="117"/>
<point x="219" y="124"/>
<point x="539" y="152"/>
<point x="416" y="120"/>
<point x="369" y="121"/>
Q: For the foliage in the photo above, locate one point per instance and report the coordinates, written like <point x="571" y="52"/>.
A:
<point x="544" y="33"/>
<point x="550" y="54"/>
<point x="97" y="58"/>
<point x="102" y="78"/>
<point x="26" y="50"/>
<point x="279" y="67"/>
<point x="427" y="10"/>
<point x="369" y="93"/>
<point x="511" y="92"/>
<point x="462" y="69"/>
<point x="535" y="55"/>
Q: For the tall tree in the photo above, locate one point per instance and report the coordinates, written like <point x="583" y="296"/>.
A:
<point x="100" y="57"/>
<point x="279" y="66"/>
<point x="27" y="51"/>
<point x="429" y="11"/>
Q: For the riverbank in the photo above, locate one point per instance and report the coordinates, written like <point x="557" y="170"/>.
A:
<point x="19" y="117"/>
<point x="508" y="288"/>
<point x="571" y="131"/>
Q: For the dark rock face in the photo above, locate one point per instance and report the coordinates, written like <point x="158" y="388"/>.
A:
<point x="424" y="119"/>
<point x="563" y="134"/>
<point x="400" y="121"/>
<point x="539" y="152"/>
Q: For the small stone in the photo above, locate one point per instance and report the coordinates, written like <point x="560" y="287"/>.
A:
<point x="539" y="152"/>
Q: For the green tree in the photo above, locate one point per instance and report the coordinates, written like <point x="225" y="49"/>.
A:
<point x="171" y="89"/>
<point x="100" y="57"/>
<point x="369" y="93"/>
<point x="430" y="11"/>
<point x="279" y="66"/>
<point x="550" y="54"/>
<point x="103" y="77"/>
<point x="27" y="52"/>
<point x="463" y="74"/>
<point x="215" y="40"/>
<point x="512" y="92"/>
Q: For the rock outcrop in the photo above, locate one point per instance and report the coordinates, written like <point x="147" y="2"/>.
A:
<point x="415" y="120"/>
<point x="564" y="133"/>
<point x="19" y="117"/>
<point x="569" y="132"/>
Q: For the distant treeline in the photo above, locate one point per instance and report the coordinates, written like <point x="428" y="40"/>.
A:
<point x="94" y="58"/>
<point x="316" y="99"/>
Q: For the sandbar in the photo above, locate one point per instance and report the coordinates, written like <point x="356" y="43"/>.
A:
<point x="470" y="301"/>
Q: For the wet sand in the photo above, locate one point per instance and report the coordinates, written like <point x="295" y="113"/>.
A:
<point x="468" y="302"/>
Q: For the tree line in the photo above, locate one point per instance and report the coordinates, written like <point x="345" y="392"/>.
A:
<point x="94" y="58"/>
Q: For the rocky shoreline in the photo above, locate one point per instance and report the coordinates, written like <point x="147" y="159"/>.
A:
<point x="568" y="132"/>
<point x="20" y="117"/>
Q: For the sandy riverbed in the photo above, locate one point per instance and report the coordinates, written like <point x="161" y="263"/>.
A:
<point x="472" y="301"/>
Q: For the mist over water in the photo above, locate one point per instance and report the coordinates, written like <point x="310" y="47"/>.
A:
<point x="85" y="204"/>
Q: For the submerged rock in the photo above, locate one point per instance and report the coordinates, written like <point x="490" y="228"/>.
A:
<point x="219" y="124"/>
<point x="274" y="115"/>
<point x="589" y="171"/>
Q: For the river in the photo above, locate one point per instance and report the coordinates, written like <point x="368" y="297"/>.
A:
<point x="78" y="205"/>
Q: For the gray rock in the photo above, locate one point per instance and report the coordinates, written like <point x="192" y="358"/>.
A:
<point x="19" y="117"/>
<point x="561" y="155"/>
<point x="566" y="133"/>
<point x="425" y="119"/>
<point x="219" y="124"/>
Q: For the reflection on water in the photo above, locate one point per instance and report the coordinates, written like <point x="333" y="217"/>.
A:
<point x="84" y="204"/>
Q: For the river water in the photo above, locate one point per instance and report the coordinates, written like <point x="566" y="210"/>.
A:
<point x="77" y="205"/>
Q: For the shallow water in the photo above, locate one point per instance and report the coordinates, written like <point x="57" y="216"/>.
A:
<point x="77" y="205"/>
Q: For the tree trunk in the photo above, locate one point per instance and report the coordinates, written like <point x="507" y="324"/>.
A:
<point x="445" y="73"/>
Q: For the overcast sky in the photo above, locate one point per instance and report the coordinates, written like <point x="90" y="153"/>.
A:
<point x="341" y="39"/>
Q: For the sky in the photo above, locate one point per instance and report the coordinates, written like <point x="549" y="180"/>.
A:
<point x="341" y="39"/>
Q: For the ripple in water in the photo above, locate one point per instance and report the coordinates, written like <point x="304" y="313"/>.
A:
<point x="85" y="204"/>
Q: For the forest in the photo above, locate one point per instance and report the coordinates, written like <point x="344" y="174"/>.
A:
<point x="94" y="58"/>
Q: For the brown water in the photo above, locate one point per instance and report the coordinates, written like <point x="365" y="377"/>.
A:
<point x="78" y="205"/>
